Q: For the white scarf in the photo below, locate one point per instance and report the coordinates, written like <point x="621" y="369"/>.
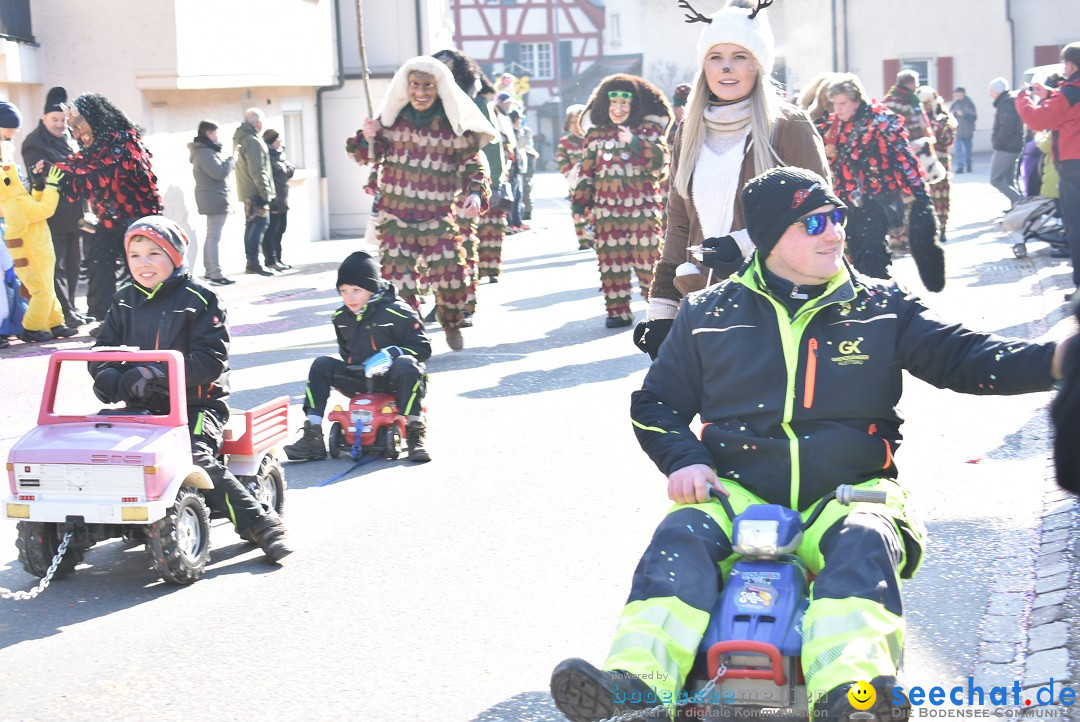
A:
<point x="715" y="183"/>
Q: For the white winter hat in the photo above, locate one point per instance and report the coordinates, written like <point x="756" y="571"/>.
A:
<point x="732" y="24"/>
<point x="999" y="85"/>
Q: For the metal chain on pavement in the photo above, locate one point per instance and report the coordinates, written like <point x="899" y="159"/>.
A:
<point x="44" y="583"/>
<point x="643" y="713"/>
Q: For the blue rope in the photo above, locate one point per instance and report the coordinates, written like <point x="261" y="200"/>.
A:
<point x="357" y="465"/>
<point x="355" y="452"/>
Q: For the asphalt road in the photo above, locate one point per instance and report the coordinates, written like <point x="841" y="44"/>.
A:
<point x="450" y="590"/>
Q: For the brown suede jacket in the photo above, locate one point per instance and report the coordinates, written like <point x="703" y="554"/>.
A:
<point x="797" y="142"/>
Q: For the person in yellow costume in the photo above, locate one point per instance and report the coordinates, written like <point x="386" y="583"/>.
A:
<point x="29" y="241"/>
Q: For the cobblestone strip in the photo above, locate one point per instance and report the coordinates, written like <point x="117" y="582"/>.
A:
<point x="1052" y="643"/>
<point x="1028" y="632"/>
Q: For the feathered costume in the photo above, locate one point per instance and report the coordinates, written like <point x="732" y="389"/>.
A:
<point x="619" y="187"/>
<point x="425" y="161"/>
<point x="869" y="154"/>
<point x="115" y="175"/>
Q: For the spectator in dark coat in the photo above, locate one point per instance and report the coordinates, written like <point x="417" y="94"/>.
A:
<point x="211" y="171"/>
<point x="963" y="109"/>
<point x="1007" y="140"/>
<point x="279" y="207"/>
<point x="45" y="145"/>
<point x="254" y="185"/>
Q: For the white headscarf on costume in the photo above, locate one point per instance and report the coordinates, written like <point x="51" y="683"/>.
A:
<point x="459" y="107"/>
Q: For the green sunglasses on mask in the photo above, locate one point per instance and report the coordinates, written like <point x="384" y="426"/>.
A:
<point x="620" y="95"/>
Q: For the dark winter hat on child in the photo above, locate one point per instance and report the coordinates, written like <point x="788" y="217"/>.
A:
<point x="163" y="232"/>
<point x="360" y="269"/>
<point x="10" y="117"/>
<point x="54" y="100"/>
<point x="778" y="198"/>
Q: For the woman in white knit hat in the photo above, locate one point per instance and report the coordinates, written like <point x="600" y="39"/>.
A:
<point x="736" y="126"/>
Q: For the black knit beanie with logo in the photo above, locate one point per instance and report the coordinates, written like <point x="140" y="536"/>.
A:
<point x="360" y="269"/>
<point x="778" y="198"/>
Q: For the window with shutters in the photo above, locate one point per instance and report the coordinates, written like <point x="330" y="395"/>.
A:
<point x="1047" y="54"/>
<point x="920" y="66"/>
<point x="537" y="58"/>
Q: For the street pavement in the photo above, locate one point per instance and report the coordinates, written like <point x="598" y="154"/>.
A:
<point x="450" y="590"/>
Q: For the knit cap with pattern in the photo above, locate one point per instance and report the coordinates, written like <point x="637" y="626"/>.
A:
<point x="163" y="232"/>
<point x="778" y="198"/>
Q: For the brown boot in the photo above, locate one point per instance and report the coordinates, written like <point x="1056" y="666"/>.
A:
<point x="415" y="433"/>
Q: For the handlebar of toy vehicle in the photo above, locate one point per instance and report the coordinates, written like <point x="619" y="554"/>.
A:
<point x="845" y="494"/>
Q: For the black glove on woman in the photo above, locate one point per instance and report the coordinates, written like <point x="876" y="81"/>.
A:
<point x="648" y="335"/>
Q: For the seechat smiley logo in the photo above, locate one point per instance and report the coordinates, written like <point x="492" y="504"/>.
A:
<point x="861" y="695"/>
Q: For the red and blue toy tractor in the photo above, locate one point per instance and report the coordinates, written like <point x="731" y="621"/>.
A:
<point x="373" y="425"/>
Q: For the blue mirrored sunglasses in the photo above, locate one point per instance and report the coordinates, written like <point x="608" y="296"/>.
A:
<point x="816" y="222"/>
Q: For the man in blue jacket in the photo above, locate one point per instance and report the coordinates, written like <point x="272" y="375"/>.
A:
<point x="794" y="367"/>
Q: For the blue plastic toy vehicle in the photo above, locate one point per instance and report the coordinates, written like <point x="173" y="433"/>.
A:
<point x="753" y="644"/>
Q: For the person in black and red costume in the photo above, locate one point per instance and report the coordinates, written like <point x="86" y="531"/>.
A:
<point x="1059" y="111"/>
<point x="113" y="172"/>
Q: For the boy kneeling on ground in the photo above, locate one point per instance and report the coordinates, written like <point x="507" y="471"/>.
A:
<point x="163" y="308"/>
<point x="372" y="325"/>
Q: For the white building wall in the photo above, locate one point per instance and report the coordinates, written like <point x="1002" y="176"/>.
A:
<point x="170" y="64"/>
<point x="390" y="38"/>
<point x="974" y="33"/>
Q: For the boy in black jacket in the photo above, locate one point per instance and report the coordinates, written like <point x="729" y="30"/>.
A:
<point x="375" y="329"/>
<point x="162" y="308"/>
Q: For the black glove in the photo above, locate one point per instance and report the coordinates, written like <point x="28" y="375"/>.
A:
<point x="144" y="385"/>
<point x="107" y="384"/>
<point x="722" y="251"/>
<point x="923" y="234"/>
<point x="648" y="335"/>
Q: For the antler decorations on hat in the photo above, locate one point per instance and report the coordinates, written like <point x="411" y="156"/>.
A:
<point x="695" y="17"/>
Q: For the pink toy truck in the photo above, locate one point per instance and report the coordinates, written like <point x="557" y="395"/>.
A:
<point x="126" y="473"/>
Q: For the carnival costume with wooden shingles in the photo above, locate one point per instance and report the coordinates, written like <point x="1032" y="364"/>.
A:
<point x="425" y="161"/>
<point x="619" y="187"/>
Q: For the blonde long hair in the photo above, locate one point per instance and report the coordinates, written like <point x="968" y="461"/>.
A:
<point x="764" y="114"/>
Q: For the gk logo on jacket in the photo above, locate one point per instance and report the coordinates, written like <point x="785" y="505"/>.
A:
<point x="850" y="354"/>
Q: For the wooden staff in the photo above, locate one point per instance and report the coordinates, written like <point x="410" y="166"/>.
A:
<point x="363" y="56"/>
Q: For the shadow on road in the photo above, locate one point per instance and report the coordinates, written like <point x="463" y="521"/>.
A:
<point x="573" y="333"/>
<point x="1027" y="442"/>
<point x="565" y="377"/>
<point x="115" y="576"/>
<point x="524" y="707"/>
<point x="550" y="299"/>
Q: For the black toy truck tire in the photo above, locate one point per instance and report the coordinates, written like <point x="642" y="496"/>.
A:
<point x="37" y="543"/>
<point x="165" y="546"/>
<point x="336" y="441"/>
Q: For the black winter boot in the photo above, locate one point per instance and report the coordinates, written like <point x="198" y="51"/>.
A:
<point x="269" y="533"/>
<point x="415" y="433"/>
<point x="584" y="693"/>
<point x="836" y="706"/>
<point x="310" y="446"/>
